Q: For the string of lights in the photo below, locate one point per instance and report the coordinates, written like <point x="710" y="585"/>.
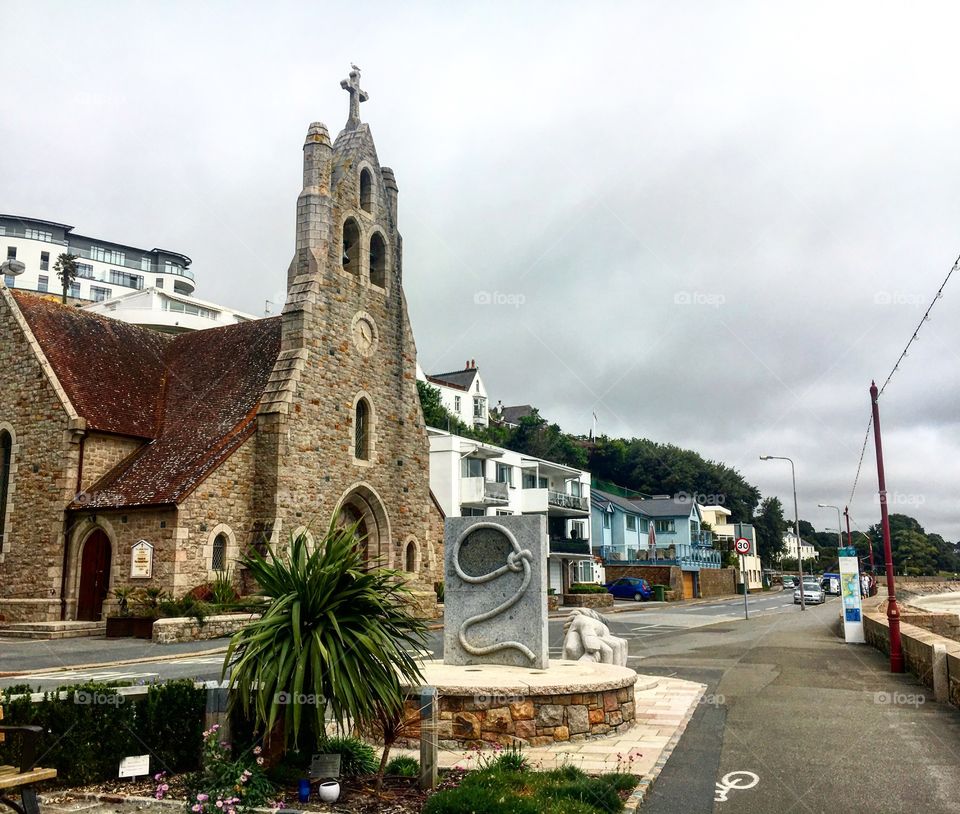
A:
<point x="896" y="367"/>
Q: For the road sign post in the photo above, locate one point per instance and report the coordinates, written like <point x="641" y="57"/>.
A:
<point x="742" y="546"/>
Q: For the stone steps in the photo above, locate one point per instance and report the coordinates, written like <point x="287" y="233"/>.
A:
<point x="51" y="630"/>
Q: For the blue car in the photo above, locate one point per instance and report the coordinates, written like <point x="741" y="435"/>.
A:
<point x="630" y="588"/>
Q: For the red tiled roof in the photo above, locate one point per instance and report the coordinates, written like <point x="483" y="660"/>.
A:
<point x="111" y="371"/>
<point x="196" y="394"/>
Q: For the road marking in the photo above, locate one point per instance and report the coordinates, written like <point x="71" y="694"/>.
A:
<point x="735" y="781"/>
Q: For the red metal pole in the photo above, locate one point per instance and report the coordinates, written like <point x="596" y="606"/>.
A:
<point x="846" y="513"/>
<point x="893" y="611"/>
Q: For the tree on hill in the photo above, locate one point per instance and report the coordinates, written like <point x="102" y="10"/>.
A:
<point x="770" y="526"/>
<point x="914" y="551"/>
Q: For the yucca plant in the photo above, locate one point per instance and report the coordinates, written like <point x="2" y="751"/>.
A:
<point x="335" y="632"/>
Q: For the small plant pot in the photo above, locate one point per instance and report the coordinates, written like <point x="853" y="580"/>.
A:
<point x="329" y="792"/>
<point x="119" y="627"/>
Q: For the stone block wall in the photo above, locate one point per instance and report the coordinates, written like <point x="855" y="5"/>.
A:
<point x="717" y="582"/>
<point x="654" y="574"/>
<point x="588" y="600"/>
<point x="101" y="453"/>
<point x="43" y="474"/>
<point x="187" y="629"/>
<point x="475" y="721"/>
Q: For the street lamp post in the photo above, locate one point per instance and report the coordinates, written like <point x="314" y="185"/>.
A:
<point x="796" y="520"/>
<point x="893" y="609"/>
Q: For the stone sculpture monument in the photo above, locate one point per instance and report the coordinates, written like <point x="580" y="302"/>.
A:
<point x="588" y="638"/>
<point x="495" y="591"/>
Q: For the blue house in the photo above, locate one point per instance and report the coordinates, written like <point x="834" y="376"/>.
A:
<point x="621" y="533"/>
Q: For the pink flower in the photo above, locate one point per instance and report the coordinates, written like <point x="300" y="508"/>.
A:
<point x="203" y="797"/>
<point x="219" y="803"/>
<point x="259" y="761"/>
<point x="257" y="750"/>
<point x="196" y="807"/>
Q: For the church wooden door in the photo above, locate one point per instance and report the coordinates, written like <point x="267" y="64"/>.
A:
<point x="94" y="577"/>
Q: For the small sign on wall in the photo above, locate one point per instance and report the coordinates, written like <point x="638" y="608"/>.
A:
<point x="141" y="560"/>
<point x="135" y="766"/>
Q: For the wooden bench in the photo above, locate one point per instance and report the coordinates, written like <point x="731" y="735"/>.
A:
<point x="27" y="775"/>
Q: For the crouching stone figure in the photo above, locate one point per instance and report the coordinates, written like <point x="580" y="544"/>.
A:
<point x="587" y="638"/>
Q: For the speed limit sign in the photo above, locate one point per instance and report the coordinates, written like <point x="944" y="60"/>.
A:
<point x="742" y="545"/>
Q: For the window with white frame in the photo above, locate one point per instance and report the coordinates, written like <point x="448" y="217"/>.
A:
<point x="471" y="468"/>
<point x="456" y="404"/>
<point x="666" y="526"/>
<point x="505" y="474"/>
<point x="606" y="520"/>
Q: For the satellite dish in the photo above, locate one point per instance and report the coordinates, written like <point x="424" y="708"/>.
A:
<point x="13" y="267"/>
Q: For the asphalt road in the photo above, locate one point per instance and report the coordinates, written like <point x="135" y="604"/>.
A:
<point x="640" y="623"/>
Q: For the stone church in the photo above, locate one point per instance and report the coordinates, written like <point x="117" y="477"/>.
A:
<point x="188" y="449"/>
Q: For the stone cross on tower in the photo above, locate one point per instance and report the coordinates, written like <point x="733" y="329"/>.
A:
<point x="352" y="86"/>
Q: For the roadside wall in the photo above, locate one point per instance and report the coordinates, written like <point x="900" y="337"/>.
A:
<point x="917" y="650"/>
<point x="654" y="574"/>
<point x="717" y="582"/>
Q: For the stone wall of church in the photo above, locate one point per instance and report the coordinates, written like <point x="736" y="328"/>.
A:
<point x="223" y="503"/>
<point x="42" y="478"/>
<point x="101" y="453"/>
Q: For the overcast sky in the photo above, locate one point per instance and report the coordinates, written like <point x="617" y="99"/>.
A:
<point x="709" y="223"/>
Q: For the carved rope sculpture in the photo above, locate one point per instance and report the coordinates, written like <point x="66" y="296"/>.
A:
<point x="587" y="638"/>
<point x="517" y="560"/>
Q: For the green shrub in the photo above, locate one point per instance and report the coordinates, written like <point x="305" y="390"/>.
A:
<point x="587" y="588"/>
<point x="403" y="766"/>
<point x="511" y="759"/>
<point x="88" y="733"/>
<point x="620" y="781"/>
<point x="227" y="783"/>
<point x="438" y="587"/>
<point x="590" y="790"/>
<point x="356" y="757"/>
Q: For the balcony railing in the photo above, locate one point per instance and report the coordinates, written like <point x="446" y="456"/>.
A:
<point x="563" y="545"/>
<point x="482" y="492"/>
<point x="703" y="539"/>
<point x="566" y="501"/>
<point x="136" y="265"/>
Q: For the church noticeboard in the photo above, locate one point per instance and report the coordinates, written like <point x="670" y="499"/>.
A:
<point x="141" y="560"/>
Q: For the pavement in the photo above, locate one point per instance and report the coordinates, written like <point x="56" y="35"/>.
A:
<point x="795" y="720"/>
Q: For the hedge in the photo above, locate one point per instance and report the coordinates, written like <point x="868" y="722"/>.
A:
<point x="89" y="732"/>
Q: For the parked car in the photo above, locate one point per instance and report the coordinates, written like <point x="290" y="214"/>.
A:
<point x="630" y="588"/>
<point x="789" y="582"/>
<point x="812" y="593"/>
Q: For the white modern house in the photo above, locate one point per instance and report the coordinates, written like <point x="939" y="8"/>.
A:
<point x="167" y="311"/>
<point x="106" y="269"/>
<point x="472" y="479"/>
<point x="462" y="392"/>
<point x="725" y="534"/>
<point x="806" y="550"/>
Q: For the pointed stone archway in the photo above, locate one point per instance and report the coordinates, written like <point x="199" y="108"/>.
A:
<point x="361" y="505"/>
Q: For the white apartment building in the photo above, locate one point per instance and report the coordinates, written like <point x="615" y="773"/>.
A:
<point x="469" y="478"/>
<point x="167" y="311"/>
<point x="462" y="393"/>
<point x="107" y="269"/>
<point x="806" y="550"/>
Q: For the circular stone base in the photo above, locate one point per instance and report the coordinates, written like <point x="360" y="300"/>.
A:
<point x="571" y="700"/>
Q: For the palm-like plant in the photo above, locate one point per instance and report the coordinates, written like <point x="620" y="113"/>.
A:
<point x="335" y="632"/>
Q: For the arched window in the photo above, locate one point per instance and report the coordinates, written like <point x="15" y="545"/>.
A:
<point x="378" y="260"/>
<point x="351" y="246"/>
<point x="361" y="427"/>
<point x="218" y="560"/>
<point x="410" y="563"/>
<point x="366" y="190"/>
<point x="6" y="461"/>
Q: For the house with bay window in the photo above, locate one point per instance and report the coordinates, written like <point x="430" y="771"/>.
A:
<point x="472" y="479"/>
<point x="462" y="393"/>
